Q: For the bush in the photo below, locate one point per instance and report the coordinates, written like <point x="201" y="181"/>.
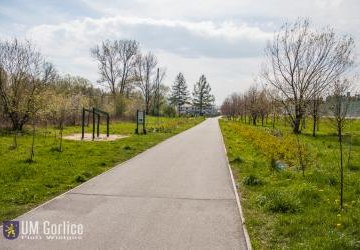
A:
<point x="332" y="181"/>
<point x="309" y="194"/>
<point x="80" y="178"/>
<point x="169" y="111"/>
<point x="279" y="202"/>
<point x="352" y="167"/>
<point x="236" y="160"/>
<point x="252" y="180"/>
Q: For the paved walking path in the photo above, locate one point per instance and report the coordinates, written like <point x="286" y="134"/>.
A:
<point x="176" y="195"/>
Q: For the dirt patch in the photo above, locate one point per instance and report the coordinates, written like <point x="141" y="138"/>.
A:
<point x="88" y="137"/>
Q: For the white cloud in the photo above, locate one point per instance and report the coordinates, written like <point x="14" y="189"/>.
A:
<point x="222" y="39"/>
<point x="226" y="60"/>
<point x="153" y="33"/>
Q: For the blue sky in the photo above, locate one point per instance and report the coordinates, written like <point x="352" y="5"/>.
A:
<point x="224" y="40"/>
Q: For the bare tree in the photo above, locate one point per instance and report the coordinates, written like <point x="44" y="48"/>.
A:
<point x="24" y="74"/>
<point x="226" y="107"/>
<point x="146" y="78"/>
<point x="254" y="103"/>
<point x="302" y="62"/>
<point x="108" y="63"/>
<point x="264" y="106"/>
<point x="128" y="49"/>
<point x="339" y="107"/>
<point x="235" y="105"/>
<point x="232" y="106"/>
<point x="116" y="63"/>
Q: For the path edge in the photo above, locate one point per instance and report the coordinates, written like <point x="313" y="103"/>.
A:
<point x="246" y="234"/>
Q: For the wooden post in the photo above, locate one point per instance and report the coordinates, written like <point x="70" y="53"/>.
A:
<point x="98" y="125"/>
<point x="107" y="125"/>
<point x="83" y="124"/>
<point x="93" y="131"/>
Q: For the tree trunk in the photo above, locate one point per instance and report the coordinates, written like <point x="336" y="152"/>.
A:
<point x="32" y="154"/>
<point x="61" y="137"/>
<point x="341" y="166"/>
<point x="273" y="122"/>
<point x="296" y="124"/>
<point x="315" y="117"/>
<point x="314" y="125"/>
<point x="303" y="122"/>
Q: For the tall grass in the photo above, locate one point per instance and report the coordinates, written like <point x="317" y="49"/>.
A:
<point x="289" y="210"/>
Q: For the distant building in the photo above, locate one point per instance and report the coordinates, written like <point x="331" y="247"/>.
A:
<point x="354" y="105"/>
<point x="189" y="109"/>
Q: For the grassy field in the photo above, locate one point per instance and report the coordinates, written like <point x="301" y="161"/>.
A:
<point x="25" y="185"/>
<point x="284" y="209"/>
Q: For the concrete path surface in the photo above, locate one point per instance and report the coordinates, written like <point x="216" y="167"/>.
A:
<point x="176" y="195"/>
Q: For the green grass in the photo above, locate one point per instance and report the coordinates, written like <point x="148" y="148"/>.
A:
<point x="25" y="185"/>
<point x="283" y="209"/>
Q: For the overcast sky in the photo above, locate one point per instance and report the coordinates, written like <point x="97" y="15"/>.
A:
<point x="223" y="39"/>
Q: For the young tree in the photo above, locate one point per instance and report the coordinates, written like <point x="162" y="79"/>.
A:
<point x="160" y="99"/>
<point x="179" y="92"/>
<point x="202" y="97"/>
<point x="302" y="62"/>
<point x="24" y="74"/>
<point x="339" y="107"/>
<point x="315" y="102"/>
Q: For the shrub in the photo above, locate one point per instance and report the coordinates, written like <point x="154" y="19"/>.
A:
<point x="80" y="178"/>
<point x="279" y="202"/>
<point x="252" y="180"/>
<point x="277" y="147"/>
<point x="236" y="160"/>
<point x="332" y="181"/>
<point x="308" y="194"/>
<point x="352" y="167"/>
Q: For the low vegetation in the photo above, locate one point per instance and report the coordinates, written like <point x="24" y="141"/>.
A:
<point x="25" y="184"/>
<point x="283" y="208"/>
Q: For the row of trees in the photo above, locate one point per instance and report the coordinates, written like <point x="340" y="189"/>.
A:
<point x="122" y="67"/>
<point x="32" y="90"/>
<point x="303" y="65"/>
<point x="254" y="104"/>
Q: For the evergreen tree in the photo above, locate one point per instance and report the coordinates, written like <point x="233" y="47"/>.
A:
<point x="202" y="98"/>
<point x="179" y="92"/>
